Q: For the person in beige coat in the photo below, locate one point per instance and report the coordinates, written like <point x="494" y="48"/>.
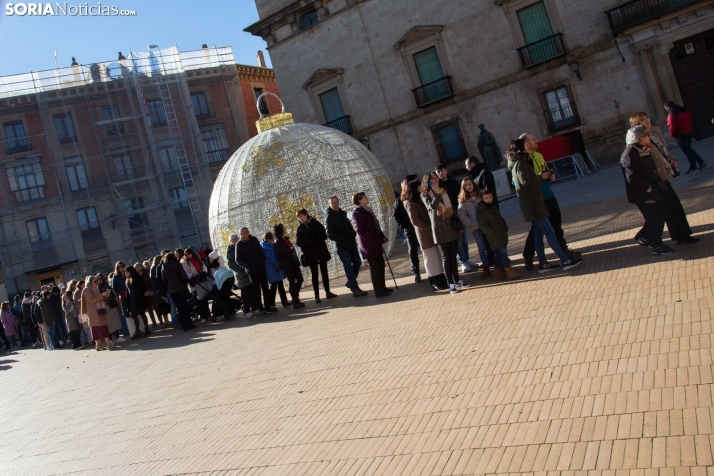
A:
<point x="94" y="308"/>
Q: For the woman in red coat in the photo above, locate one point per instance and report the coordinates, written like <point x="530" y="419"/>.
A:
<point x="370" y="239"/>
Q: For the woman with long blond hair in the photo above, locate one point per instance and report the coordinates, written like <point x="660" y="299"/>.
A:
<point x="468" y="201"/>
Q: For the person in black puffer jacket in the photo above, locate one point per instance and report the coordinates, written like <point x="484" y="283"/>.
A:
<point x="176" y="281"/>
<point x="340" y="231"/>
<point x="401" y="216"/>
<point x="251" y="256"/>
<point x="311" y="238"/>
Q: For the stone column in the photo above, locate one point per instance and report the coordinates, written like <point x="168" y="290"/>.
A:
<point x="654" y="92"/>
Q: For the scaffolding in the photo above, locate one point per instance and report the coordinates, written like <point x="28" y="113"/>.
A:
<point x="134" y="151"/>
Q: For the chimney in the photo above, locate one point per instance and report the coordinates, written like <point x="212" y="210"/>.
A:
<point x="261" y="59"/>
<point x="121" y="57"/>
<point x="74" y="62"/>
<point x="204" y="46"/>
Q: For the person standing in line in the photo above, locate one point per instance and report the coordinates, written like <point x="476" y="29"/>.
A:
<point x="644" y="188"/>
<point x="468" y="201"/>
<point x="176" y="281"/>
<point x="241" y="278"/>
<point x="137" y="301"/>
<point x="370" y="239"/>
<point x="10" y="327"/>
<point x="442" y="214"/>
<point x="679" y="123"/>
<point x="453" y="188"/>
<point x="290" y="265"/>
<point x="340" y="231"/>
<point x="172" y="305"/>
<point x="401" y="216"/>
<point x="118" y="285"/>
<point x="272" y="269"/>
<point x="482" y="177"/>
<point x="419" y="216"/>
<point x="549" y="200"/>
<point x="16" y="311"/>
<point x="496" y="231"/>
<point x="163" y="308"/>
<point x="60" y="325"/>
<point x="94" y="308"/>
<point x="112" y="308"/>
<point x="27" y="316"/>
<point x="311" y="237"/>
<point x="72" y="315"/>
<point x="250" y="255"/>
<point x="48" y="321"/>
<point x="151" y="310"/>
<point x="193" y="266"/>
<point x="665" y="164"/>
<point x="530" y="198"/>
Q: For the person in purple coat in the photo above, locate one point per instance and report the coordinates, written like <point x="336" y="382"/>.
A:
<point x="370" y="239"/>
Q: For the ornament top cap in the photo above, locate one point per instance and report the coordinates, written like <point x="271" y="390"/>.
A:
<point x="266" y="123"/>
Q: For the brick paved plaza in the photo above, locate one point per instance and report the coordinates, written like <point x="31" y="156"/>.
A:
<point x="605" y="370"/>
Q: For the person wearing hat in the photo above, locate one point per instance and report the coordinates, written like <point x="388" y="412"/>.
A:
<point x="644" y="187"/>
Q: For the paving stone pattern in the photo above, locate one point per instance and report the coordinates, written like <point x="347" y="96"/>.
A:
<point x="605" y="370"/>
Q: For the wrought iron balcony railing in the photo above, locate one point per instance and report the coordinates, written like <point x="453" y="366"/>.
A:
<point x="542" y="50"/>
<point x="15" y="146"/>
<point x="639" y="11"/>
<point x="562" y="117"/>
<point x="435" y="91"/>
<point x="216" y="156"/>
<point x="205" y="111"/>
<point x="343" y="124"/>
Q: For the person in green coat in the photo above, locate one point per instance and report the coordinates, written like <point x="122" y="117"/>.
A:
<point x="496" y="230"/>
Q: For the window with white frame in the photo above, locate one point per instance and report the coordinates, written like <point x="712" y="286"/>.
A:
<point x="215" y="143"/>
<point x="76" y="175"/>
<point x="124" y="167"/>
<point x="561" y="112"/>
<point x="168" y="158"/>
<point x="38" y="230"/>
<point x="88" y="221"/>
<point x="26" y="181"/>
<point x="179" y="198"/>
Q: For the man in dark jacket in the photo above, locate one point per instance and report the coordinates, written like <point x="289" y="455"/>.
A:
<point x="679" y="123"/>
<point x="242" y="280"/>
<point x="482" y="177"/>
<point x="60" y="326"/>
<point x="643" y="188"/>
<point x="340" y="231"/>
<point x="401" y="216"/>
<point x="251" y="256"/>
<point x="453" y="188"/>
<point x="48" y="322"/>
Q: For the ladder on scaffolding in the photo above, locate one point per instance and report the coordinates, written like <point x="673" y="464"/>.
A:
<point x="162" y="83"/>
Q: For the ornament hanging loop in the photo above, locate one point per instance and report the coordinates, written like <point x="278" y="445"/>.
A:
<point x="257" y="103"/>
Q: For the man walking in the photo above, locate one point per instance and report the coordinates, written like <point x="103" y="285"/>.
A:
<point x="482" y="177"/>
<point x="679" y="122"/>
<point x="551" y="203"/>
<point x="453" y="188"/>
<point x="251" y="256"/>
<point x="340" y="231"/>
<point x="401" y="216"/>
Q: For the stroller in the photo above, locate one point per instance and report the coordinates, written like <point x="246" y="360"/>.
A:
<point x="219" y="290"/>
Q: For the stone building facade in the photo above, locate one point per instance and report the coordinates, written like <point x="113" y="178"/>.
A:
<point x="413" y="79"/>
<point x="116" y="160"/>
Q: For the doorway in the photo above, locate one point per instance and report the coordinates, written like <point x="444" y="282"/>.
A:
<point x="693" y="64"/>
<point x="51" y="278"/>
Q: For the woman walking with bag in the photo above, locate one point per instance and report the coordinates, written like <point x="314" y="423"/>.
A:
<point x="445" y="225"/>
<point x="92" y="306"/>
<point x="666" y="166"/>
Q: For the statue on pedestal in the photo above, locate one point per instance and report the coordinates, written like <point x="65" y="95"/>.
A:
<point x="490" y="152"/>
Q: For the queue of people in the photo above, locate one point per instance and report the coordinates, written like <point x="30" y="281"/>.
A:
<point x="436" y="212"/>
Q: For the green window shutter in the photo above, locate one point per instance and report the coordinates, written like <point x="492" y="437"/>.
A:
<point x="332" y="105"/>
<point x="452" y="147"/>
<point x="535" y="23"/>
<point x="428" y="66"/>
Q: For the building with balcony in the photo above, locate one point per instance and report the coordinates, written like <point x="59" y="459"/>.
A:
<point x="116" y="160"/>
<point x="413" y="79"/>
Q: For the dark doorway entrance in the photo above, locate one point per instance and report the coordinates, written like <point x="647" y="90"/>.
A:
<point x="693" y="63"/>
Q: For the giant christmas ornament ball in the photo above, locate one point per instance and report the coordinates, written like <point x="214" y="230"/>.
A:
<point x="294" y="166"/>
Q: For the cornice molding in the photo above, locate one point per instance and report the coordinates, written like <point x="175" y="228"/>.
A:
<point x="322" y="75"/>
<point x="255" y="73"/>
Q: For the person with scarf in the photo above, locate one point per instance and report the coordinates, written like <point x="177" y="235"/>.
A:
<point x="644" y="187"/>
<point x="94" y="309"/>
<point x="468" y="202"/>
<point x="533" y="208"/>
<point x="419" y="216"/>
<point x="370" y="239"/>
<point x="665" y="164"/>
<point x="443" y="218"/>
<point x="289" y="264"/>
